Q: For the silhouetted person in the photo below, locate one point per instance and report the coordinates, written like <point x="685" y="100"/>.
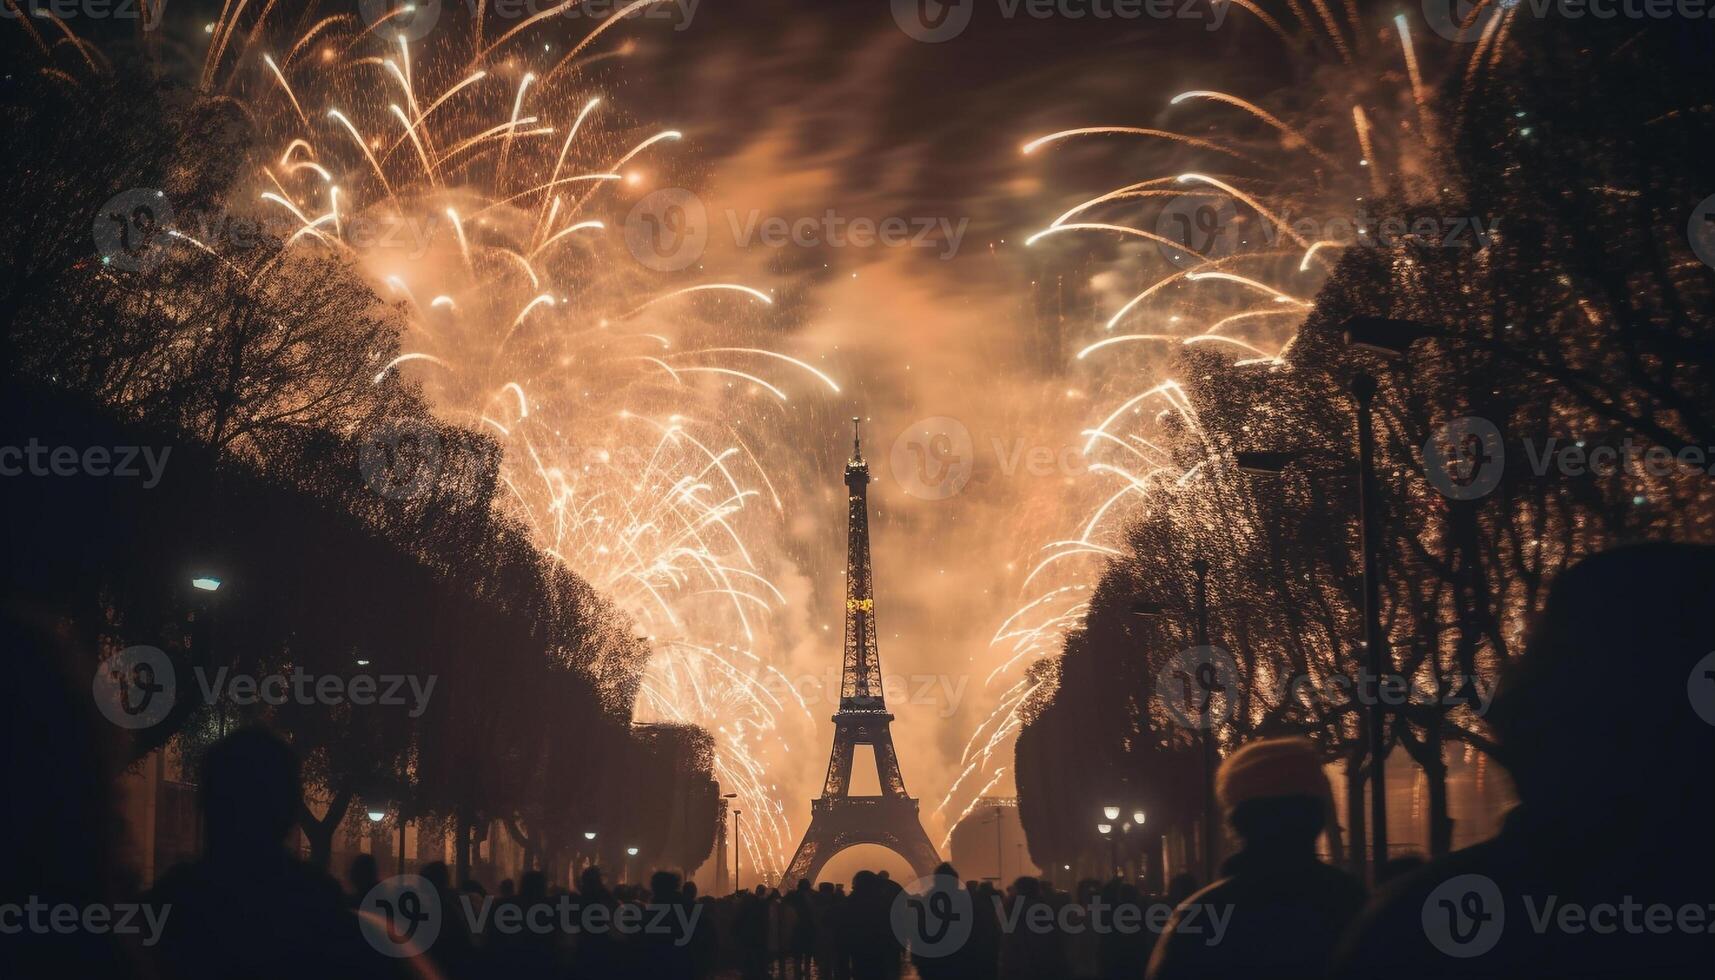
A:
<point x="826" y="910"/>
<point x="1125" y="952"/>
<point x="750" y="932"/>
<point x="867" y="929"/>
<point x="596" y="955"/>
<point x="1598" y="723"/>
<point x="248" y="908"/>
<point x="984" y="961"/>
<point x="1027" y="953"/>
<point x="801" y="938"/>
<point x="1284" y="909"/>
<point x="61" y="822"/>
<point x="362" y="875"/>
<point x="665" y="943"/>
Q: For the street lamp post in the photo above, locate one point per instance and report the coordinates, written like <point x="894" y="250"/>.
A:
<point x="999" y="862"/>
<point x="202" y="634"/>
<point x="1107" y="830"/>
<point x="736" y="834"/>
<point x="1210" y="824"/>
<point x="1364" y="391"/>
<point x="1392" y="339"/>
<point x="1206" y="737"/>
<point x="720" y="872"/>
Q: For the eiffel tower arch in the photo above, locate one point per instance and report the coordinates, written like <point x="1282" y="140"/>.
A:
<point x="839" y="820"/>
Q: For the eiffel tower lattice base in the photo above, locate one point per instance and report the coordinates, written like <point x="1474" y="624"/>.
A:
<point x="841" y="822"/>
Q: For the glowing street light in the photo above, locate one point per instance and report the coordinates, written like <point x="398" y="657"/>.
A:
<point x="206" y="583"/>
<point x="1111" y="812"/>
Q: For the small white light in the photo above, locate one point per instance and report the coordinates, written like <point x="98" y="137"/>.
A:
<point x="1104" y="828"/>
<point x="376" y="816"/>
<point x="1111" y="812"/>
<point x="207" y="583"/>
<point x="631" y="851"/>
<point x="589" y="835"/>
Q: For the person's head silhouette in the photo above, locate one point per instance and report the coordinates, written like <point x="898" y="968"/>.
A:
<point x="1594" y="719"/>
<point x="363" y="874"/>
<point x="1275" y="794"/>
<point x="250" y="794"/>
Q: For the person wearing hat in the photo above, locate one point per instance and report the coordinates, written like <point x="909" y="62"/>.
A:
<point x="1277" y="910"/>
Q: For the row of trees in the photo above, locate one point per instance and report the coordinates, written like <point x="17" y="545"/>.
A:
<point x="352" y="531"/>
<point x="1587" y="321"/>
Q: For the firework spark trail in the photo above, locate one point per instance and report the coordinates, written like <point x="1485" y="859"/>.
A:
<point x="534" y="333"/>
<point x="1251" y="301"/>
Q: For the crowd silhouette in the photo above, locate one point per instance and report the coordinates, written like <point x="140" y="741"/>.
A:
<point x="1614" y="767"/>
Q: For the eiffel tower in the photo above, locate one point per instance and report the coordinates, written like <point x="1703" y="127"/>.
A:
<point x="839" y="820"/>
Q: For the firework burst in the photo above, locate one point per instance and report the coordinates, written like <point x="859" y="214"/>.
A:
<point x="481" y="179"/>
<point x="1246" y="211"/>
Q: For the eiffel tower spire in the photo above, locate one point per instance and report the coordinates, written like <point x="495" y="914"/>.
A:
<point x="838" y="819"/>
<point x="860" y="678"/>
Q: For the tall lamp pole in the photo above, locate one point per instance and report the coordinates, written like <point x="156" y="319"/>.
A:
<point x="736" y="836"/>
<point x="1392" y="339"/>
<point x="1146" y="609"/>
<point x="1201" y="569"/>
<point x="1364" y="392"/>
